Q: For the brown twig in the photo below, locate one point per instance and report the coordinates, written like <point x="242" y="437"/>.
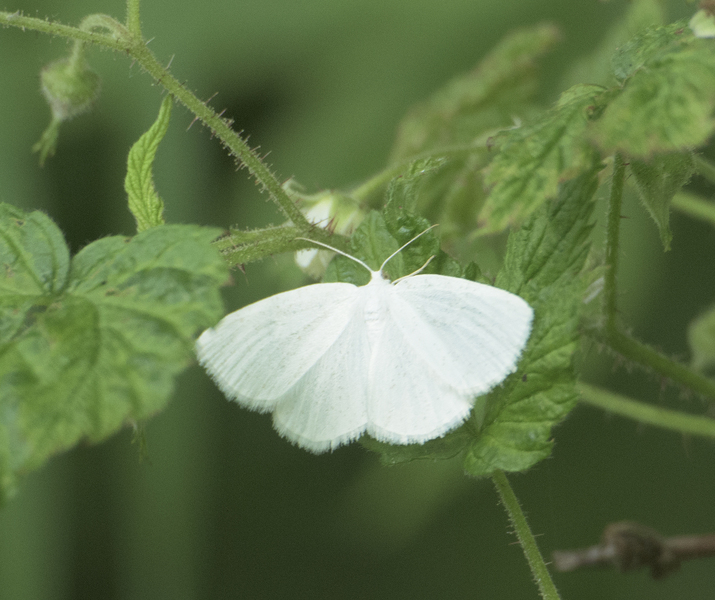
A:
<point x="628" y="546"/>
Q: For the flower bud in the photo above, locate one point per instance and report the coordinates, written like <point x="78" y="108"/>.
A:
<point x="329" y="210"/>
<point x="69" y="86"/>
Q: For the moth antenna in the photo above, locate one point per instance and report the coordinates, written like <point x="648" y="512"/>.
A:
<point x="422" y="268"/>
<point x="345" y="254"/>
<point x="405" y="245"/>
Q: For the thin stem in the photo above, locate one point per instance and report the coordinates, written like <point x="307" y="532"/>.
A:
<point x="20" y="21"/>
<point x="547" y="589"/>
<point x="694" y="206"/>
<point x="612" y="239"/>
<point x="705" y="168"/>
<point x="136" y="48"/>
<point x="646" y="356"/>
<point x="627" y="546"/>
<point x="647" y="413"/>
<point x="133" y="20"/>
<point x="221" y="128"/>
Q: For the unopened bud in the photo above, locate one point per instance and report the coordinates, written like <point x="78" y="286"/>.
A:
<point x="70" y="87"/>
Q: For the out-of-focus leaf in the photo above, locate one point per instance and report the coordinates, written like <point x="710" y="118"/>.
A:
<point x="667" y="98"/>
<point x="596" y="66"/>
<point x="459" y="119"/>
<point x="658" y="180"/>
<point x="485" y="99"/>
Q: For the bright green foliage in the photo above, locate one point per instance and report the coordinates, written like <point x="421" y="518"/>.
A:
<point x="510" y="428"/>
<point x="381" y="234"/>
<point x="658" y="180"/>
<point x="459" y="118"/>
<point x="144" y="202"/>
<point x="701" y="337"/>
<point x="90" y="343"/>
<point x="667" y="94"/>
<point x="535" y="158"/>
<point x="543" y="265"/>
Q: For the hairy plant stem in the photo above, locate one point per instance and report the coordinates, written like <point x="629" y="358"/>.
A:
<point x="647" y="413"/>
<point x="611" y="335"/>
<point x="123" y="39"/>
<point x="133" y="21"/>
<point x="540" y="572"/>
<point x="643" y="354"/>
<point x="613" y="227"/>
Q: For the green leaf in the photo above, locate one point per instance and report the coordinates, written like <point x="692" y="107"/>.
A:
<point x="647" y="46"/>
<point x="544" y="262"/>
<point x="701" y="337"/>
<point x="658" y="180"/>
<point x="596" y="66"/>
<point x="458" y="120"/>
<point x="382" y="234"/>
<point x="482" y="100"/>
<point x="144" y="202"/>
<point x="535" y="158"/>
<point x="667" y="97"/>
<point x="88" y="345"/>
<point x="510" y="428"/>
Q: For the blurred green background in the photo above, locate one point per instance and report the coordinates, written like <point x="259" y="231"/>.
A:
<point x="227" y="509"/>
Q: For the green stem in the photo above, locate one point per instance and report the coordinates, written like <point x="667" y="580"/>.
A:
<point x="647" y="413"/>
<point x="613" y="227"/>
<point x="138" y="51"/>
<point x="705" y="168"/>
<point x="221" y="128"/>
<point x="537" y="565"/>
<point x="133" y="20"/>
<point x="644" y="355"/>
<point x="694" y="206"/>
<point x="17" y="19"/>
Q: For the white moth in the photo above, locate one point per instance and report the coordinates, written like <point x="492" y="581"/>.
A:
<point x="402" y="361"/>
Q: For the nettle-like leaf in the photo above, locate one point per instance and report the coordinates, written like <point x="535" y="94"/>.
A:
<point x="596" y="67"/>
<point x="667" y="94"/>
<point x="543" y="264"/>
<point x="144" y="202"/>
<point x="459" y="118"/>
<point x="536" y="157"/>
<point x="658" y="180"/>
<point x="510" y="428"/>
<point x="91" y="343"/>
<point x="701" y="337"/>
<point x="381" y="234"/>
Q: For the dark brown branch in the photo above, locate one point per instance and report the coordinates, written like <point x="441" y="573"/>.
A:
<point x="627" y="546"/>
